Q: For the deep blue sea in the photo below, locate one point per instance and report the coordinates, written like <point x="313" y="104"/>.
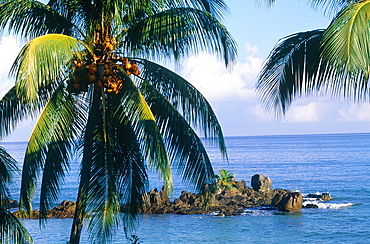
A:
<point x="338" y="164"/>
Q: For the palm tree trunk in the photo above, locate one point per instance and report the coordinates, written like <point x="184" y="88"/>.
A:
<point x="77" y="221"/>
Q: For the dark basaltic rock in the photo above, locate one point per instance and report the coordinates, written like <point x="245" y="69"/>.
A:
<point x="288" y="202"/>
<point x="65" y="210"/>
<point x="261" y="183"/>
<point x="227" y="202"/>
<point x="323" y="196"/>
<point x="311" y="205"/>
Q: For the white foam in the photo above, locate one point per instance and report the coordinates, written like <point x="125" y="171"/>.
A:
<point x="328" y="205"/>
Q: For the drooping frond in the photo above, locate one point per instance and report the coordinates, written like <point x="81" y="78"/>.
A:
<point x="131" y="171"/>
<point x="185" y="148"/>
<point x="331" y="7"/>
<point x="346" y="41"/>
<point x="11" y="229"/>
<point x="8" y="166"/>
<point x="49" y="148"/>
<point x="293" y="68"/>
<point x="117" y="178"/>
<point x="29" y="18"/>
<point x="41" y="61"/>
<point x="12" y="111"/>
<point x="216" y="8"/>
<point x="135" y="110"/>
<point x="103" y="202"/>
<point x="185" y="98"/>
<point x="179" y="33"/>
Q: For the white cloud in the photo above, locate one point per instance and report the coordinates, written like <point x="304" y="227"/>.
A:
<point x="9" y="48"/>
<point x="307" y="113"/>
<point x="355" y="112"/>
<point x="215" y="82"/>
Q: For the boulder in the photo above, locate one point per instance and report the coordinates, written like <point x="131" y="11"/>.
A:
<point x="288" y="202"/>
<point x="323" y="196"/>
<point x="261" y="183"/>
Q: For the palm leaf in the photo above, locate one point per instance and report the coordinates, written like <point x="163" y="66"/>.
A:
<point x="12" y="111"/>
<point x="48" y="148"/>
<point x="184" y="146"/>
<point x="216" y="8"/>
<point x="179" y="33"/>
<point x="119" y="181"/>
<point x="12" y="230"/>
<point x="346" y="41"/>
<point x="8" y="166"/>
<point x="31" y="18"/>
<point x="132" y="178"/>
<point x="294" y="68"/>
<point x="135" y="110"/>
<point x="185" y="98"/>
<point x="41" y="61"/>
<point x="103" y="199"/>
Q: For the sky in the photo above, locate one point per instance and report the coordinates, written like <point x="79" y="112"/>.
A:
<point x="231" y="93"/>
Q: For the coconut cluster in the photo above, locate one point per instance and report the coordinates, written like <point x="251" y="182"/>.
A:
<point x="103" y="75"/>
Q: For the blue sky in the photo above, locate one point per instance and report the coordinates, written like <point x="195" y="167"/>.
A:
<point x="231" y="93"/>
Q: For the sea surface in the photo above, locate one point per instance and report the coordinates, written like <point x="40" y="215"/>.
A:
<point x="338" y="164"/>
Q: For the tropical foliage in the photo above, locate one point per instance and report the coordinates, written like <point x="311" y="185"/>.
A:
<point x="225" y="179"/>
<point x="87" y="72"/>
<point x="334" y="59"/>
<point x="11" y="229"/>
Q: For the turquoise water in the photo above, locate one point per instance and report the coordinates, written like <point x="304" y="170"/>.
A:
<point x="338" y="164"/>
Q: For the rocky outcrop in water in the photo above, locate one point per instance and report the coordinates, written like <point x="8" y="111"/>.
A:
<point x="225" y="201"/>
<point x="65" y="210"/>
<point x="288" y="201"/>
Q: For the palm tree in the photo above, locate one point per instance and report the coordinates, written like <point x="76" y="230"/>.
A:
<point x="335" y="59"/>
<point x="86" y="70"/>
<point x="11" y="229"/>
<point x="225" y="179"/>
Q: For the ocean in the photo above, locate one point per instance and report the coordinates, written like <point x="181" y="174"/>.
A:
<point x="338" y="164"/>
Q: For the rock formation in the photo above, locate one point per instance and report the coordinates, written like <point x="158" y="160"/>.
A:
<point x="261" y="183"/>
<point x="288" y="201"/>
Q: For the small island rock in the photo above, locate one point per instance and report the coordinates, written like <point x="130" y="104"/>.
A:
<point x="288" y="202"/>
<point x="261" y="183"/>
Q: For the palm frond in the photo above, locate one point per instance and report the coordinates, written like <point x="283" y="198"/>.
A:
<point x="331" y="7"/>
<point x="185" y="98"/>
<point x="29" y="18"/>
<point x="217" y="8"/>
<point x="346" y="41"/>
<point x="185" y="148"/>
<point x="104" y="203"/>
<point x="178" y="33"/>
<point x="48" y="148"/>
<point x="41" y="61"/>
<point x="11" y="229"/>
<point x="12" y="111"/>
<point x="8" y="166"/>
<point x="135" y="110"/>
<point x="118" y="182"/>
<point x="132" y="178"/>
<point x="294" y="68"/>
